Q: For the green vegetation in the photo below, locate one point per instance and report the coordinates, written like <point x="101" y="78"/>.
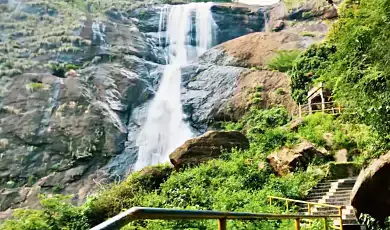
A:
<point x="353" y="64"/>
<point x="283" y="60"/>
<point x="34" y="86"/>
<point x="56" y="213"/>
<point x="318" y="125"/>
<point x="238" y="181"/>
<point x="279" y="91"/>
<point x="235" y="182"/>
<point x="256" y="96"/>
<point x="343" y="170"/>
<point x="307" y="68"/>
<point x="307" y="34"/>
<point x="307" y="15"/>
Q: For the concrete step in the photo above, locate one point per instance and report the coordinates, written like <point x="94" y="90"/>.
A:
<point x="333" y="192"/>
<point x="341" y="195"/>
<point x="330" y="192"/>
<point x="325" y="190"/>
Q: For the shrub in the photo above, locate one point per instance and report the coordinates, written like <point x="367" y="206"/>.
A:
<point x="124" y="195"/>
<point x="318" y="124"/>
<point x="307" y="34"/>
<point x="58" y="70"/>
<point x="34" y="86"/>
<point x="307" y="15"/>
<point x="283" y="60"/>
<point x="307" y="68"/>
<point x="57" y="213"/>
<point x="280" y="91"/>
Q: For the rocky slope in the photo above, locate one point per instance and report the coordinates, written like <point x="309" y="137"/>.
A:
<point x="71" y="135"/>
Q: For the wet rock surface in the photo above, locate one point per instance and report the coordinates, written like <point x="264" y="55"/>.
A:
<point x="68" y="135"/>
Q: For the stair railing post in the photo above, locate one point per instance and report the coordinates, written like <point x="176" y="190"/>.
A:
<point x="325" y="224"/>
<point x="297" y="224"/>
<point x="341" y="217"/>
<point x="270" y="201"/>
<point x="309" y="212"/>
<point x="300" y="110"/>
<point x="286" y="206"/>
<point x="222" y="224"/>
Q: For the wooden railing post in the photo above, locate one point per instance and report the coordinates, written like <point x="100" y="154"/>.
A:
<point x="286" y="206"/>
<point x="297" y="224"/>
<point x="270" y="201"/>
<point x="341" y="217"/>
<point x="221" y="224"/>
<point x="309" y="208"/>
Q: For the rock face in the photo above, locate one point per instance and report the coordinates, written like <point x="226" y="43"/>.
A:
<point x="66" y="135"/>
<point x="206" y="147"/>
<point x="289" y="160"/>
<point x="342" y="170"/>
<point x="219" y="86"/>
<point x="227" y="16"/>
<point x="371" y="193"/>
<point x="254" y="50"/>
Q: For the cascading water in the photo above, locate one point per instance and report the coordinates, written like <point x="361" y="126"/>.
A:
<point x="165" y="128"/>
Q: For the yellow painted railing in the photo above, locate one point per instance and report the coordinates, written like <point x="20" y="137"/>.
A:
<point x="309" y="208"/>
<point x="137" y="213"/>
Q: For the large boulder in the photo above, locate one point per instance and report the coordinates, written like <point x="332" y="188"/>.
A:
<point x="288" y="160"/>
<point x="220" y="86"/>
<point x="206" y="147"/>
<point x="336" y="170"/>
<point x="255" y="49"/>
<point x="371" y="192"/>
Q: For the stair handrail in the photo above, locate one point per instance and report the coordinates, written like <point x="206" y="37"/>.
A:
<point x="137" y="213"/>
<point x="303" y="202"/>
<point x="309" y="205"/>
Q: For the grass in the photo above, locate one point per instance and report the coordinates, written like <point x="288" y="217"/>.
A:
<point x="35" y="86"/>
<point x="307" y="34"/>
<point x="279" y="91"/>
<point x="283" y="60"/>
<point x="234" y="182"/>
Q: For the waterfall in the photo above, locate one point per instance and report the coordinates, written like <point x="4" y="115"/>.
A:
<point x="98" y="34"/>
<point x="165" y="128"/>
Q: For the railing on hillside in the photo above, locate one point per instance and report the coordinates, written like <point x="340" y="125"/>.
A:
<point x="326" y="107"/>
<point x="309" y="208"/>
<point x="137" y="213"/>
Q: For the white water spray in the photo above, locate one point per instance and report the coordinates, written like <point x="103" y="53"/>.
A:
<point x="165" y="128"/>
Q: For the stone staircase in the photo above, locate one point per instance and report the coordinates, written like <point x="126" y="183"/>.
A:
<point x="334" y="192"/>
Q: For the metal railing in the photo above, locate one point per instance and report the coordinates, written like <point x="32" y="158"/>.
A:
<point x="326" y="107"/>
<point x="137" y="213"/>
<point x="309" y="208"/>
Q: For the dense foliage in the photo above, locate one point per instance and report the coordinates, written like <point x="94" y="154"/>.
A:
<point x="308" y="67"/>
<point x="283" y="60"/>
<point x="56" y="213"/>
<point x="239" y="181"/>
<point x="353" y="63"/>
<point x="356" y="69"/>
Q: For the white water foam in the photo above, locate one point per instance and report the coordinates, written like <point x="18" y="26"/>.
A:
<point x="165" y="128"/>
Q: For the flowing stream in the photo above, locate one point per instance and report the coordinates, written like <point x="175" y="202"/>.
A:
<point x="165" y="128"/>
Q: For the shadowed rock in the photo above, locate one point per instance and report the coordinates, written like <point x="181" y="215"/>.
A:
<point x="206" y="147"/>
<point x="371" y="192"/>
<point x="289" y="160"/>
